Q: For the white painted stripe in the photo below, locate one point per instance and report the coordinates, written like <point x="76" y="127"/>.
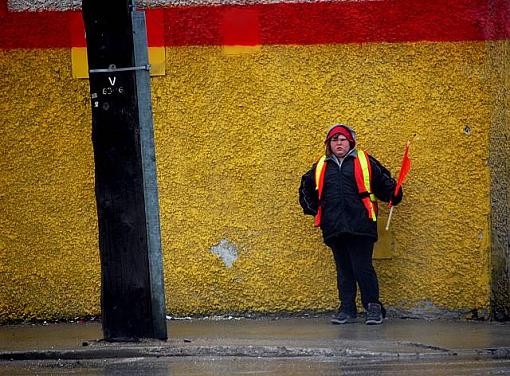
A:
<point x="65" y="5"/>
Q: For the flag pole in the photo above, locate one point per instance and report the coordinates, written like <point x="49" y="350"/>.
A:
<point x="389" y="218"/>
<point x="404" y="169"/>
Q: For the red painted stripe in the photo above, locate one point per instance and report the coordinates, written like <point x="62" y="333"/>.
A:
<point x="35" y="30"/>
<point x="61" y="29"/>
<point x="3" y="9"/>
<point x="306" y="23"/>
<point x="349" y="22"/>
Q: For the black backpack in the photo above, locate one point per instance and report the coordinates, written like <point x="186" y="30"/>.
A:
<point x="308" y="198"/>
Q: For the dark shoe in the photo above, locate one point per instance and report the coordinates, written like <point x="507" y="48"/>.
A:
<point x="343" y="318"/>
<point x="374" y="314"/>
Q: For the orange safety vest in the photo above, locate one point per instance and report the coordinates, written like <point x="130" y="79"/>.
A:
<point x="363" y="176"/>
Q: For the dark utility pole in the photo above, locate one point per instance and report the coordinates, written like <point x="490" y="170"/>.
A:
<point x="132" y="290"/>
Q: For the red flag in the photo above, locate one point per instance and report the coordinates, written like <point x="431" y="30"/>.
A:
<point x="404" y="170"/>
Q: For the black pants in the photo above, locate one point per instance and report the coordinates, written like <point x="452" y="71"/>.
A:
<point x="353" y="259"/>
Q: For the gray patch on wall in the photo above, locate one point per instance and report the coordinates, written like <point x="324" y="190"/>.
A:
<point x="227" y="251"/>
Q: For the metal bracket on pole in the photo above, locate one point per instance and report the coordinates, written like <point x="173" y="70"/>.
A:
<point x="146" y="67"/>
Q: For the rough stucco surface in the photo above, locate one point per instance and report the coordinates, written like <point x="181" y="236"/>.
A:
<point x="48" y="244"/>
<point x="233" y="134"/>
<point x="60" y="5"/>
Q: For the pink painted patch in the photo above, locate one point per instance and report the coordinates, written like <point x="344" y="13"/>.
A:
<point x="240" y="26"/>
<point x="155" y="21"/>
<point x="77" y="30"/>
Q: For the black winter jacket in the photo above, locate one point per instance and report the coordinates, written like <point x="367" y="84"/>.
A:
<point x="343" y="212"/>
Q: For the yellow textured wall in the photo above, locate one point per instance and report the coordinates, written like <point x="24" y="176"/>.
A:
<point x="49" y="261"/>
<point x="251" y="124"/>
<point x="233" y="134"/>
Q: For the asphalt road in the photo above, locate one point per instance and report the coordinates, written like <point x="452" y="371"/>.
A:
<point x="223" y="366"/>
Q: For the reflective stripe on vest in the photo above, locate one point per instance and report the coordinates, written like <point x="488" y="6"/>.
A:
<point x="362" y="174"/>
<point x="320" y="171"/>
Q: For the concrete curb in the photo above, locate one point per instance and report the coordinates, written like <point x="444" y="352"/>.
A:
<point x="246" y="351"/>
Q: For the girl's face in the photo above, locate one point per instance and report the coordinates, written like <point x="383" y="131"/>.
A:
<point x="339" y="145"/>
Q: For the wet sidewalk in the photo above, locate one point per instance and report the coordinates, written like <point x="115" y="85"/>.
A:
<point x="266" y="338"/>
